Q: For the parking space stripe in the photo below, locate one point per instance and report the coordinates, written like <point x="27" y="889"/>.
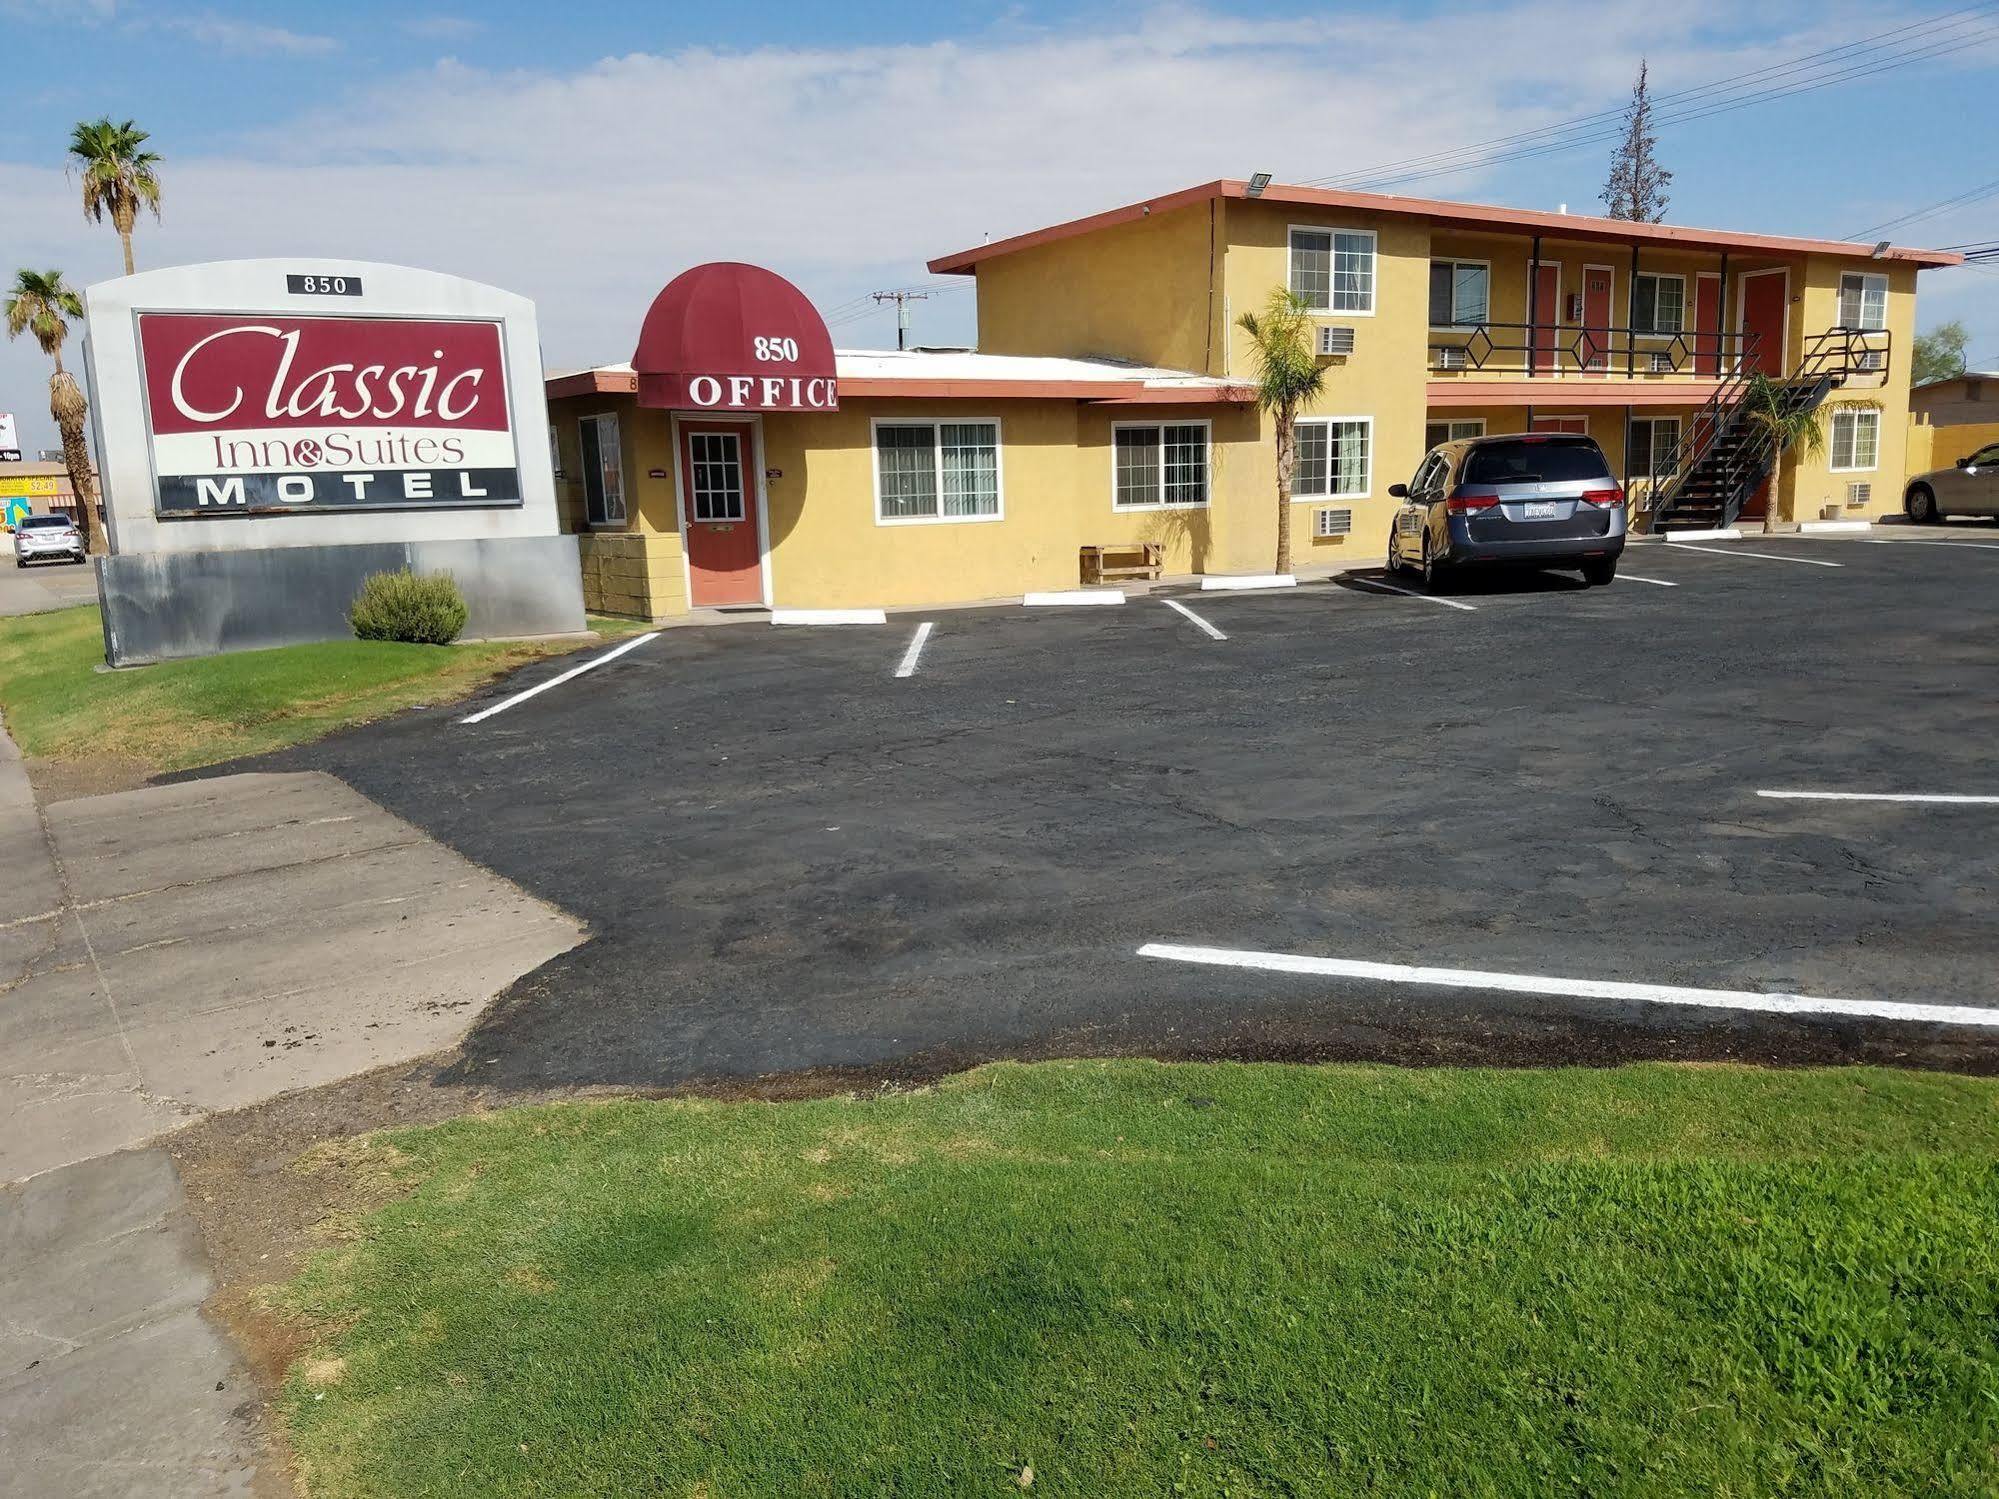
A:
<point x="575" y="671"/>
<point x="1526" y="983"/>
<point x="1428" y="598"/>
<point x="1655" y="582"/>
<point x="1764" y="556"/>
<point x="1199" y="623"/>
<point x="910" y="657"/>
<point x="1917" y="541"/>
<point x="1941" y="797"/>
<point x="1072" y="596"/>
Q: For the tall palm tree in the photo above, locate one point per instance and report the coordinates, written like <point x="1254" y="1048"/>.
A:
<point x="1773" y="416"/>
<point x="1288" y="374"/>
<point x="118" y="177"/>
<point x="42" y="303"/>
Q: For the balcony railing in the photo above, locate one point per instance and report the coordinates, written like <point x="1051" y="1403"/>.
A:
<point x="1543" y="349"/>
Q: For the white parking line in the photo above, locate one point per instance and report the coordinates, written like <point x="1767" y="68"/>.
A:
<point x="1199" y="623"/>
<point x="1248" y="580"/>
<point x="1917" y="541"/>
<point x="1428" y="598"/>
<point x="575" y="671"/>
<point x="1881" y="796"/>
<point x="1655" y="582"/>
<point x="1527" y="983"/>
<point x="1765" y="556"/>
<point x="915" y="652"/>
<point x="829" y="616"/>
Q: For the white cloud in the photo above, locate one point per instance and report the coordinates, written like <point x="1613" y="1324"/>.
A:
<point x="846" y="168"/>
<point x="249" y="38"/>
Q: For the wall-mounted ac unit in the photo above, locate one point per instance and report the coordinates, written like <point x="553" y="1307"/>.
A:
<point x="1332" y="520"/>
<point x="1661" y="363"/>
<point x="1872" y="360"/>
<point x="1452" y="359"/>
<point x="1858" y="494"/>
<point x="1334" y="339"/>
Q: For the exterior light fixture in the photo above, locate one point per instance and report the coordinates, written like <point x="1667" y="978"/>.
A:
<point x="1880" y="250"/>
<point x="1258" y="183"/>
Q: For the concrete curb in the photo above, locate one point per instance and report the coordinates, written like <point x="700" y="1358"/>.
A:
<point x="1836" y="527"/>
<point x="1249" y="580"/>
<point x="828" y="617"/>
<point x="1072" y="596"/>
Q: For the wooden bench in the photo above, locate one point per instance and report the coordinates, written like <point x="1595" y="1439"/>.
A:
<point x="1124" y="559"/>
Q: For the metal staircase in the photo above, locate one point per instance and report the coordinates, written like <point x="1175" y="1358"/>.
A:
<point x="1723" y="456"/>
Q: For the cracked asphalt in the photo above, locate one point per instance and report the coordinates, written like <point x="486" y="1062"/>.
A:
<point x="792" y="861"/>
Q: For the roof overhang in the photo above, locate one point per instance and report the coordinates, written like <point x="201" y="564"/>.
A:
<point x="592" y="383"/>
<point x="1468" y="217"/>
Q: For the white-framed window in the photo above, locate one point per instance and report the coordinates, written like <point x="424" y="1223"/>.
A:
<point x="1160" y="466"/>
<point x="1435" y="434"/>
<point x="927" y="471"/>
<point x="1460" y="293"/>
<point x="1335" y="458"/>
<point x="1658" y="302"/>
<point x="1863" y="301"/>
<point x="1332" y="270"/>
<point x="1655" y="445"/>
<point x="1856" y="439"/>
<point x="603" y="469"/>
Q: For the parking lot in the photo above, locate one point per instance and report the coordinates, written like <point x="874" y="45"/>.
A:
<point x="1258" y="828"/>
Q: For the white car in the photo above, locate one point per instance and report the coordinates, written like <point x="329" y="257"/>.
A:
<point x="47" y="538"/>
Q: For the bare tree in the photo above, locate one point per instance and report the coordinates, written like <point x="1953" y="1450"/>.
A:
<point x="1636" y="187"/>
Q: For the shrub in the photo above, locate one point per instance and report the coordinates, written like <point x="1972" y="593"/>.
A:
<point x="426" y="610"/>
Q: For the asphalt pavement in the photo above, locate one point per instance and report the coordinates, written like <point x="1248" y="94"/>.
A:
<point x="793" y="858"/>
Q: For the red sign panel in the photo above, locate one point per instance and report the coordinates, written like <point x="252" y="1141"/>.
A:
<point x="734" y="337"/>
<point x="251" y="413"/>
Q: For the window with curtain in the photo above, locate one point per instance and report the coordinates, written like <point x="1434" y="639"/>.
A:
<point x="1863" y="301"/>
<point x="603" y="470"/>
<point x="937" y="471"/>
<point x="1658" y="303"/>
<point x="1655" y="445"/>
<point x="1856" y="438"/>
<point x="1332" y="270"/>
<point x="1458" y="293"/>
<point x="1154" y="467"/>
<point x="1333" y="459"/>
<point x="1435" y="433"/>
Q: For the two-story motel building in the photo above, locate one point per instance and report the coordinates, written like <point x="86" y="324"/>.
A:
<point x="1109" y="402"/>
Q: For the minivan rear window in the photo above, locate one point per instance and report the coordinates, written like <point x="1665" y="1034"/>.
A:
<point x="1535" y="462"/>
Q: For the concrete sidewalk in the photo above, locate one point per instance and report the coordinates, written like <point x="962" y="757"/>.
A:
<point x="164" y="953"/>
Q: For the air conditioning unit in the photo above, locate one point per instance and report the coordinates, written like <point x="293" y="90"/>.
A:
<point x="1447" y="358"/>
<point x="1661" y="363"/>
<point x="1859" y="494"/>
<point x="1332" y="520"/>
<point x="1334" y="339"/>
<point x="1872" y="360"/>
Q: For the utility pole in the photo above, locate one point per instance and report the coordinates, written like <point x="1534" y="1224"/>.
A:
<point x="902" y="299"/>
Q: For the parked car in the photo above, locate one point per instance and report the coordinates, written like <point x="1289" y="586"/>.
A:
<point x="46" y="538"/>
<point x="1537" y="499"/>
<point x="1968" y="487"/>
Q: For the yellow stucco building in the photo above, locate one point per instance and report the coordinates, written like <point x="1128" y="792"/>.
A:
<point x="1108" y="401"/>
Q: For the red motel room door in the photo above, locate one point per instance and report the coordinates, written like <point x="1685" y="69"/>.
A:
<point x="1596" y="317"/>
<point x="1765" y="300"/>
<point x="724" y="557"/>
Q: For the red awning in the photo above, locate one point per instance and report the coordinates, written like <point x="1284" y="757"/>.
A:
<point x="733" y="337"/>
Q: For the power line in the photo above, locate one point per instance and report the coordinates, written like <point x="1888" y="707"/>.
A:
<point x="1863" y="58"/>
<point x="1671" y="98"/>
<point x="1931" y="210"/>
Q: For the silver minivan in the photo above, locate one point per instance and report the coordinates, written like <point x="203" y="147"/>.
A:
<point x="1968" y="487"/>
<point x="1532" y="499"/>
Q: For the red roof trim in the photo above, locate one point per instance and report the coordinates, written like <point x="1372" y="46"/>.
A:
<point x="1118" y="392"/>
<point x="1471" y="217"/>
<point x="590" y="383"/>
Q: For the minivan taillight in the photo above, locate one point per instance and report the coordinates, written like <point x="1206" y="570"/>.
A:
<point x="1603" y="497"/>
<point x="1467" y="498"/>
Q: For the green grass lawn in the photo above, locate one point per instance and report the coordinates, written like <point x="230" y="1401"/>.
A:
<point x="186" y="713"/>
<point x="1142" y="1279"/>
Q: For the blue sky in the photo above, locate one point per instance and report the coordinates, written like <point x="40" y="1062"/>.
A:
<point x="584" y="153"/>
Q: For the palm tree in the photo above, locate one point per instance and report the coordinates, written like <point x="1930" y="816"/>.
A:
<point x="42" y="303"/>
<point x="118" y="177"/>
<point x="1771" y="416"/>
<point x="1288" y="374"/>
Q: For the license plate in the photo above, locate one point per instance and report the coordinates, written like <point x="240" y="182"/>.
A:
<point x="1539" y="510"/>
